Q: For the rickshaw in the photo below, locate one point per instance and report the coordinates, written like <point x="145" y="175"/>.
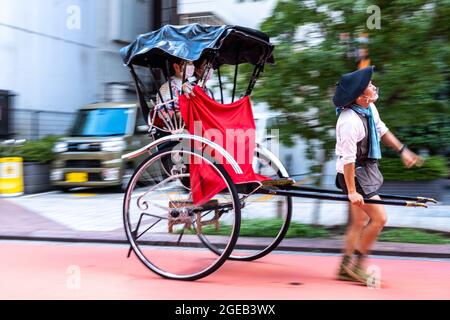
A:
<point x="184" y="204"/>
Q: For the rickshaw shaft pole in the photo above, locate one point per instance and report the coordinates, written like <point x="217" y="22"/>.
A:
<point x="386" y="196"/>
<point x="310" y="195"/>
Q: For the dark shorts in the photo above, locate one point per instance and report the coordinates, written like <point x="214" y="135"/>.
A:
<point x="340" y="184"/>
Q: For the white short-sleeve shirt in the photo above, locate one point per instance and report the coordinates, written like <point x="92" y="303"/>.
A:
<point x="349" y="131"/>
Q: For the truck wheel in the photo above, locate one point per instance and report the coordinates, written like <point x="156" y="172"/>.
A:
<point x="63" y="189"/>
<point x="126" y="177"/>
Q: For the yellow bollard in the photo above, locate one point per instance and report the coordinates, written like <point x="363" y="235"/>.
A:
<point x="11" y="177"/>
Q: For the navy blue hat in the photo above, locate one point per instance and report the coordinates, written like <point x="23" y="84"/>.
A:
<point x="351" y="86"/>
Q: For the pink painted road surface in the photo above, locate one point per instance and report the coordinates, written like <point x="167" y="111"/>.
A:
<point x="50" y="271"/>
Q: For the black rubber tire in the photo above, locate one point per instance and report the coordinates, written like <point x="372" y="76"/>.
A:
<point x="224" y="255"/>
<point x="63" y="189"/>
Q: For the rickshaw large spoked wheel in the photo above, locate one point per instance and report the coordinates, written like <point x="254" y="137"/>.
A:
<point x="265" y="219"/>
<point x="164" y="227"/>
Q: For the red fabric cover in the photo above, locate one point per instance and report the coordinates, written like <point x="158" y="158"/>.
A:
<point x="203" y="110"/>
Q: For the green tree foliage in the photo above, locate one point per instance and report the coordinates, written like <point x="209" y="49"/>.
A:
<point x="411" y="52"/>
<point x="433" y="168"/>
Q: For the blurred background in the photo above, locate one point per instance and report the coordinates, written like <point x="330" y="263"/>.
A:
<point x="60" y="56"/>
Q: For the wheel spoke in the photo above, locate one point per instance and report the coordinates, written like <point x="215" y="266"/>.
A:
<point x="170" y="178"/>
<point x="148" y="229"/>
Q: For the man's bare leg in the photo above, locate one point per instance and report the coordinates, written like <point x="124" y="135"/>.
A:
<point x="358" y="222"/>
<point x="378" y="219"/>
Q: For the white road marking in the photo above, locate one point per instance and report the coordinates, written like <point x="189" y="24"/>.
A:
<point x="39" y="194"/>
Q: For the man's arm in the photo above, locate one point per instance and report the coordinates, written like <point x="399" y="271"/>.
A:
<point x="409" y="158"/>
<point x="348" y="131"/>
<point x="391" y="141"/>
<point x="349" y="175"/>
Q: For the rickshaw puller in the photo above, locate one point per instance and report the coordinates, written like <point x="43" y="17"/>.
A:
<point x="359" y="130"/>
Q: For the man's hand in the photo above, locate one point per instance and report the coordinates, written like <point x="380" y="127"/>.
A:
<point x="356" y="199"/>
<point x="410" y="159"/>
<point x="349" y="176"/>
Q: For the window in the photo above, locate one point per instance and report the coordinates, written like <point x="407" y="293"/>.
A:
<point x="101" y="122"/>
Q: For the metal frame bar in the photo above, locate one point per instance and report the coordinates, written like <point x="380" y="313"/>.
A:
<point x="386" y="196"/>
<point x="140" y="95"/>
<point x="236" y="73"/>
<point x="296" y="193"/>
<point x="255" y="76"/>
<point x="269" y="155"/>
<point x="152" y="74"/>
<point x="272" y="158"/>
<point x="220" y="84"/>
<point x="168" y="79"/>
<point x="235" y="82"/>
<point x="189" y="137"/>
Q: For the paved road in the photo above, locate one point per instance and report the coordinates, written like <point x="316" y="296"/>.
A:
<point x="99" y="210"/>
<point x="60" y="271"/>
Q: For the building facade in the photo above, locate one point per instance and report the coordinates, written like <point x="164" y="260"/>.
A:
<point x="59" y="55"/>
<point x="247" y="13"/>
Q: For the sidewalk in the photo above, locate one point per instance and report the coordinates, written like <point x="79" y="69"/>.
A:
<point x="18" y="223"/>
